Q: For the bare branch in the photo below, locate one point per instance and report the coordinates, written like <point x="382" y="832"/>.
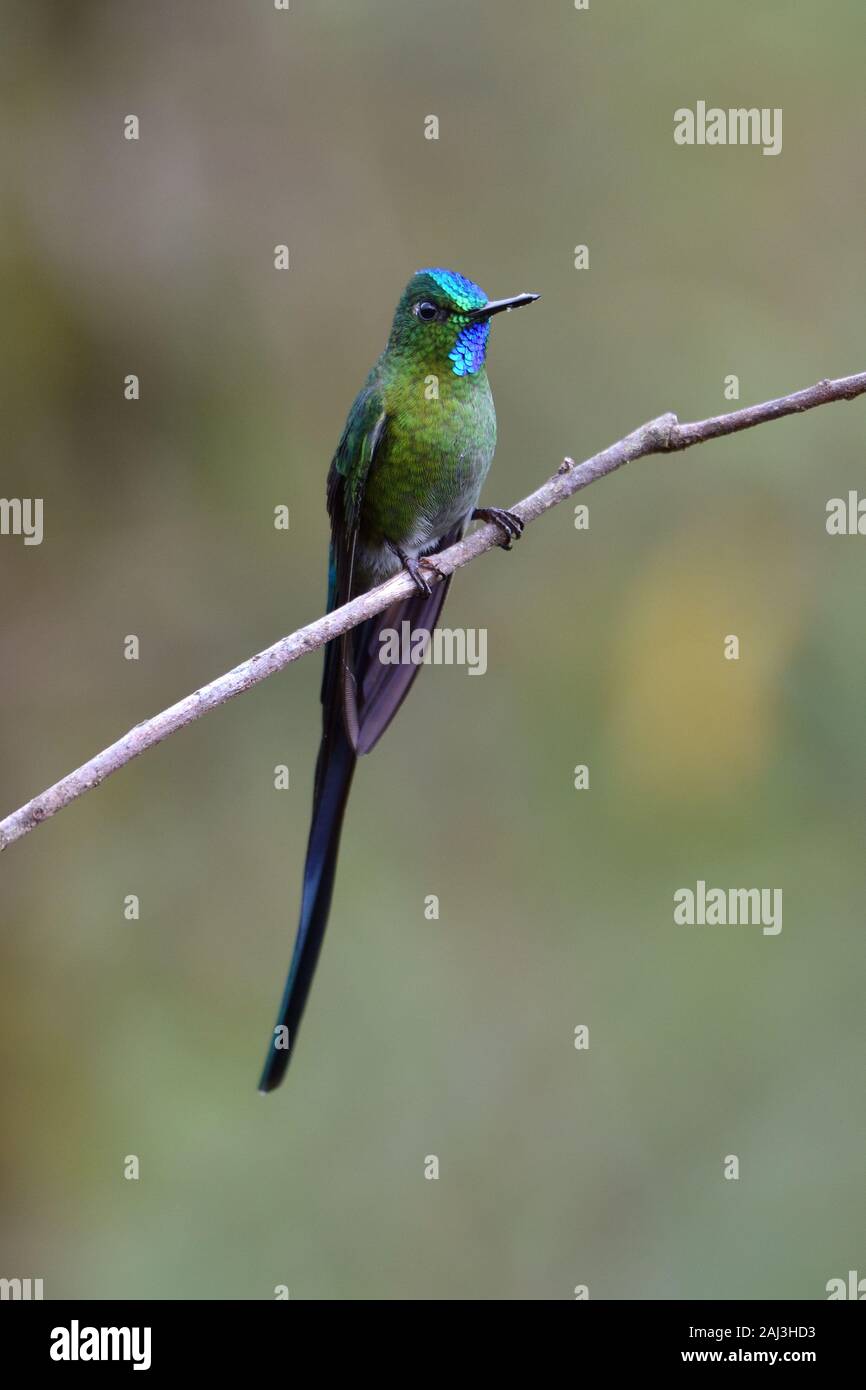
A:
<point x="662" y="436"/>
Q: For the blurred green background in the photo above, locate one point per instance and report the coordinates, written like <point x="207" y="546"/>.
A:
<point x="455" y="1037"/>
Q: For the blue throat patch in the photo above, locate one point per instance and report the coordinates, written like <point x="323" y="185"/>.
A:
<point x="470" y="350"/>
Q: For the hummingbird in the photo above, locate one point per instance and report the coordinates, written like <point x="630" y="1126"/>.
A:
<point x="404" y="483"/>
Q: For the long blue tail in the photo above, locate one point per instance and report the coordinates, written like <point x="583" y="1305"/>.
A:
<point x="334" y="769"/>
<point x="360" y="696"/>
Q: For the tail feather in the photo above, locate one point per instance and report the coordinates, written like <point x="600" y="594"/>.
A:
<point x="334" y="769"/>
<point x="377" y="689"/>
<point x="360" y="696"/>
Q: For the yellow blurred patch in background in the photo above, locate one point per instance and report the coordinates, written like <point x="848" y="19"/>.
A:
<point x="686" y="719"/>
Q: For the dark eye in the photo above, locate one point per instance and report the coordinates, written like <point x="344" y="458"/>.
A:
<point x="426" y="311"/>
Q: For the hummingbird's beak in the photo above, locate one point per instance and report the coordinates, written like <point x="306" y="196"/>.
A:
<point x="499" y="306"/>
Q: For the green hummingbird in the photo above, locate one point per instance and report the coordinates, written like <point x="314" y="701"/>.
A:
<point x="404" y="483"/>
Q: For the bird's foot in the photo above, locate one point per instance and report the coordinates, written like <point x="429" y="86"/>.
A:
<point x="510" y="522"/>
<point x="415" y="571"/>
<point x="418" y="577"/>
<point x="429" y="562"/>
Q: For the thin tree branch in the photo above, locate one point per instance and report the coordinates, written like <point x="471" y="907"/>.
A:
<point x="661" y="436"/>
